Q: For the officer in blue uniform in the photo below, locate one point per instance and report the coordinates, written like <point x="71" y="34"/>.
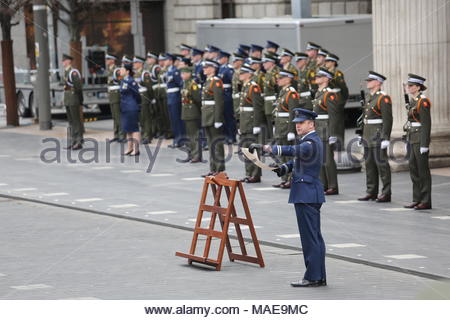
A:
<point x="199" y="76"/>
<point x="306" y="193"/>
<point x="226" y="74"/>
<point x="272" y="46"/>
<point x="174" y="86"/>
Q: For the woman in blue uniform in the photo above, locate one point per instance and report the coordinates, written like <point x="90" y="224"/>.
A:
<point x="129" y="109"/>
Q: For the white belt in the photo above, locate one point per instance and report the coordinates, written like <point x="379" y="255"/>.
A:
<point x="322" y="117"/>
<point x="305" y="94"/>
<point x="335" y="90"/>
<point x="373" y="121"/>
<point x="282" y="114"/>
<point x="270" y="98"/>
<point x="155" y="86"/>
<point x="226" y="86"/>
<point x="199" y="85"/>
<point x="236" y="96"/>
<point x="208" y="103"/>
<point x="163" y="85"/>
<point x="112" y="88"/>
<point x="415" y="124"/>
<point x="171" y="90"/>
<point x="142" y="90"/>
<point x="246" y="109"/>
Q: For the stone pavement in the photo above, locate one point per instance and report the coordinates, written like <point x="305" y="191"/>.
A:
<point x="55" y="253"/>
<point x="383" y="234"/>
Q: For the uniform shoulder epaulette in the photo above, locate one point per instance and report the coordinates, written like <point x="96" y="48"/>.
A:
<point x="339" y="73"/>
<point x="328" y="89"/>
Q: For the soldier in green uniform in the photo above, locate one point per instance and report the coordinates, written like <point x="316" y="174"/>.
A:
<point x="286" y="57"/>
<point x="251" y="110"/>
<point x="259" y="75"/>
<point x="114" y="95"/>
<point x="191" y="113"/>
<point x="236" y="84"/>
<point x="270" y="91"/>
<point x="213" y="117"/>
<point x="418" y="136"/>
<point x="325" y="105"/>
<point x="73" y="100"/>
<point x="143" y="79"/>
<point x="288" y="100"/>
<point x="340" y="86"/>
<point x="377" y="127"/>
<point x="304" y="77"/>
<point x="154" y="69"/>
<point x="320" y="59"/>
<point x="161" y="99"/>
<point x="312" y="50"/>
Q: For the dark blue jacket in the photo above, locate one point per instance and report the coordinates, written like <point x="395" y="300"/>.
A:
<point x="129" y="95"/>
<point x="306" y="186"/>
<point x="174" y="79"/>
<point x="226" y="74"/>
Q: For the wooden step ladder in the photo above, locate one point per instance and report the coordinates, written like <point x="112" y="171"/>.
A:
<point x="226" y="216"/>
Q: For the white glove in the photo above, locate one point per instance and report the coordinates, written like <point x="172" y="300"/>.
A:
<point x="256" y="130"/>
<point x="273" y="130"/>
<point x="423" y="150"/>
<point x="153" y="101"/>
<point x="332" y="140"/>
<point x="217" y="125"/>
<point x="290" y="136"/>
<point x="385" y="144"/>
<point x="359" y="143"/>
<point x="239" y="132"/>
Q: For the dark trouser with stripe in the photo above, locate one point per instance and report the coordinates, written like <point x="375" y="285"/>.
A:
<point x="192" y="132"/>
<point x="145" y="121"/>
<point x="377" y="166"/>
<point x="216" y="148"/>
<point x="251" y="170"/>
<point x="115" y="113"/>
<point x="328" y="172"/>
<point x="229" y="120"/>
<point x="76" y="127"/>
<point x="313" y="245"/>
<point x="419" y="171"/>
<point x="177" y="125"/>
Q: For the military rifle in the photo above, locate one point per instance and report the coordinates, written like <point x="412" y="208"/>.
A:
<point x="360" y="120"/>
<point x="408" y="107"/>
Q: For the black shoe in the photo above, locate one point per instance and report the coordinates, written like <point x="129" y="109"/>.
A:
<point x="77" y="146"/>
<point x="185" y="160"/>
<point x="309" y="283"/>
<point x="384" y="198"/>
<point x="278" y="185"/>
<point x="411" y="206"/>
<point x="68" y="148"/>
<point x="114" y="140"/>
<point x="368" y="197"/>
<point x="208" y="174"/>
<point x="331" y="192"/>
<point x="422" y="206"/>
<point x="145" y="141"/>
<point x="123" y="140"/>
<point x="134" y="154"/>
<point x="127" y="153"/>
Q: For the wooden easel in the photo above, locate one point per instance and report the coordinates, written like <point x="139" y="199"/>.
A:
<point x="226" y="216"/>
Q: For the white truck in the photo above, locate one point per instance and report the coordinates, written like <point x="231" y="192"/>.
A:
<point x="94" y="86"/>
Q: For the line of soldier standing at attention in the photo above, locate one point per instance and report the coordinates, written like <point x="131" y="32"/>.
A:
<point x="204" y="99"/>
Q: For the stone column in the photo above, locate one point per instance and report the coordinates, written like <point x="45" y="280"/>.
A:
<point x="413" y="36"/>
